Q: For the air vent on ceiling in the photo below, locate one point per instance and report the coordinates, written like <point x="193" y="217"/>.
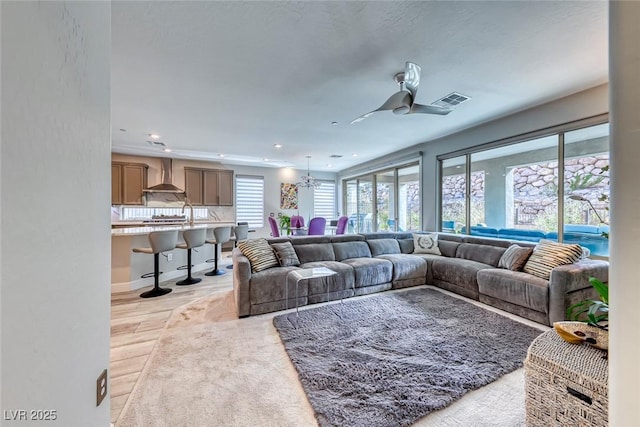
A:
<point x="157" y="144"/>
<point x="335" y="156"/>
<point x="451" y="101"/>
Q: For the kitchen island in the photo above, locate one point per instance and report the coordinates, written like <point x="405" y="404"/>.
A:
<point x="127" y="267"/>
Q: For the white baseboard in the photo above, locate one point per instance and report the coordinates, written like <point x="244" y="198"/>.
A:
<point x="165" y="277"/>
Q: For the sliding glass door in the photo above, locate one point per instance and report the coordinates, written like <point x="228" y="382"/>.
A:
<point x="409" y="206"/>
<point x="514" y="191"/>
<point x="387" y="200"/>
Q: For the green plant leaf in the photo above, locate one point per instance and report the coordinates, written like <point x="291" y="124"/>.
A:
<point x="603" y="290"/>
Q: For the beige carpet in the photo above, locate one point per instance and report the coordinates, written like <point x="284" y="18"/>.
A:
<point x="207" y="371"/>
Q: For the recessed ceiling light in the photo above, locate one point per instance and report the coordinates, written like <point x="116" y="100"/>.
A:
<point x="277" y="145"/>
<point x="154" y="136"/>
<point x="329" y="165"/>
<point x="334" y="123"/>
<point x="123" y="130"/>
<point x="265" y="160"/>
<point x="220" y="155"/>
<point x="355" y="154"/>
<point x="167" y="150"/>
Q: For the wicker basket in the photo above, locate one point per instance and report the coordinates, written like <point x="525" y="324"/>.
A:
<point x="566" y="384"/>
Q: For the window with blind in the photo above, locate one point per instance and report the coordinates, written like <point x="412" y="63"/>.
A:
<point x="324" y="200"/>
<point x="250" y="200"/>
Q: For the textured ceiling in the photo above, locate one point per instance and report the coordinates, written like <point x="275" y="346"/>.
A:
<point x="238" y="77"/>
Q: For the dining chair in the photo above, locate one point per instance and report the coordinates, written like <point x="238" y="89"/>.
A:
<point x="297" y="221"/>
<point x="275" y="232"/>
<point x="316" y="226"/>
<point x="342" y="224"/>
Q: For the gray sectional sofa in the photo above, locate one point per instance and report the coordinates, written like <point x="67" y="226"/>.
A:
<point x="375" y="262"/>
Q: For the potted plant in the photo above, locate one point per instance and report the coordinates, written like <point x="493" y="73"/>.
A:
<point x="285" y="222"/>
<point x="590" y="320"/>
<point x="593" y="312"/>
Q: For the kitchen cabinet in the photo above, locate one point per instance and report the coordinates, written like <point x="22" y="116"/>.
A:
<point x="127" y="182"/>
<point x="209" y="187"/>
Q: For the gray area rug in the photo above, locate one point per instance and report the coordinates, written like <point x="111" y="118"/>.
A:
<point x="391" y="359"/>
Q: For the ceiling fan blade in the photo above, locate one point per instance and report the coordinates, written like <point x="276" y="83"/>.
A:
<point x="412" y="78"/>
<point x="399" y="100"/>
<point x="429" y="109"/>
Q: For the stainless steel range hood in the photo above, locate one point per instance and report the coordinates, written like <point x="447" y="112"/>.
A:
<point x="166" y="186"/>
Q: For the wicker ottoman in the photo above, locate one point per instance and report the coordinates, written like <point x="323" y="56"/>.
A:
<point x="566" y="384"/>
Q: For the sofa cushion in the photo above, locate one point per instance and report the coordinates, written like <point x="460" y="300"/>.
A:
<point x="262" y="285"/>
<point x="485" y="241"/>
<point x="548" y="255"/>
<point x="315" y="252"/>
<point x="346" y="250"/>
<point x="461" y="272"/>
<point x="335" y="238"/>
<point x="344" y="279"/>
<point x="286" y="254"/>
<point x="383" y="246"/>
<point x="406" y="266"/>
<point x="448" y="248"/>
<point x="370" y="271"/>
<point x="406" y="245"/>
<point x="515" y="287"/>
<point x="515" y="257"/>
<point x="485" y="254"/>
<point x="259" y="253"/>
<point x="426" y="244"/>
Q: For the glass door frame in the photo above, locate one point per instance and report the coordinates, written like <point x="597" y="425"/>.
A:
<point x="393" y="204"/>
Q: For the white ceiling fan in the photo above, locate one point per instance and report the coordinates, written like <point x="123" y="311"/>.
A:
<point x="402" y="102"/>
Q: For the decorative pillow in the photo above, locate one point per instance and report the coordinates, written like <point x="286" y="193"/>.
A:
<point x="548" y="255"/>
<point x="515" y="257"/>
<point x="426" y="244"/>
<point x="286" y="254"/>
<point x="260" y="254"/>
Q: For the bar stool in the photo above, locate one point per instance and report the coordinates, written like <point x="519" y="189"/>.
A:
<point x="193" y="238"/>
<point x="241" y="233"/>
<point x="220" y="235"/>
<point x="160" y="241"/>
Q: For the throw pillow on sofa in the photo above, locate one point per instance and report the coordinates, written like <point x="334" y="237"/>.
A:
<point x="260" y="254"/>
<point x="548" y="255"/>
<point x="286" y="254"/>
<point x="514" y="258"/>
<point x="426" y="244"/>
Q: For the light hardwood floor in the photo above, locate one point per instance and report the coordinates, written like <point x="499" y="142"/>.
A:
<point x="137" y="323"/>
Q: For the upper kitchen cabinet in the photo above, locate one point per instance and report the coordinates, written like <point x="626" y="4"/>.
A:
<point x="209" y="187"/>
<point x="127" y="182"/>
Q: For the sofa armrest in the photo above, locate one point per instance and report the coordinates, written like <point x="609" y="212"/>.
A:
<point x="569" y="284"/>
<point x="241" y="282"/>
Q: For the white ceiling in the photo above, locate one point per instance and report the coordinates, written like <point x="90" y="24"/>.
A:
<point x="238" y="77"/>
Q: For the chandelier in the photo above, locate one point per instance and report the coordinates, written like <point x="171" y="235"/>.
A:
<point x="307" y="181"/>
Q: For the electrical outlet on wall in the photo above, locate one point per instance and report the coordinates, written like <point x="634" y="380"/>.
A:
<point x="101" y="387"/>
<point x="169" y="256"/>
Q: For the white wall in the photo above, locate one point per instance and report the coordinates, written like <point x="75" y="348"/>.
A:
<point x="55" y="192"/>
<point x="624" y="72"/>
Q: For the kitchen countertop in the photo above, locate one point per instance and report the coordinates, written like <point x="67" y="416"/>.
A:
<point x="139" y="231"/>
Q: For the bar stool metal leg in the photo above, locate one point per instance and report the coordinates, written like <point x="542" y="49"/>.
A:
<point x="216" y="271"/>
<point x="157" y="290"/>
<point x="189" y="280"/>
